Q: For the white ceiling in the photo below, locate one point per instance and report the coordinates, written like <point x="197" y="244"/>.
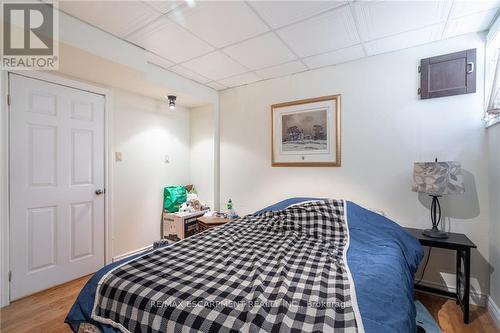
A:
<point x="231" y="43"/>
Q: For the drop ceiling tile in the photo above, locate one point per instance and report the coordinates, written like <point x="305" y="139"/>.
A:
<point x="280" y="13"/>
<point x="259" y="52"/>
<point x="167" y="39"/>
<point x="239" y="80"/>
<point x="326" y="32"/>
<point x="216" y="85"/>
<point x="183" y="71"/>
<point x="215" y="66"/>
<point x="282" y="70"/>
<point x="165" y="6"/>
<point x="378" y="19"/>
<point x="404" y="40"/>
<point x="470" y="23"/>
<point x="103" y="14"/>
<point x="158" y="61"/>
<point x="462" y="8"/>
<point x="220" y="23"/>
<point x="335" y="57"/>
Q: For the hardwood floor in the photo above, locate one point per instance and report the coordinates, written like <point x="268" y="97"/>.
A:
<point x="45" y="311"/>
<point x="450" y="318"/>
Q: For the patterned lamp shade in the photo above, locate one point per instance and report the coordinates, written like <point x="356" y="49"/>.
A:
<point x="438" y="178"/>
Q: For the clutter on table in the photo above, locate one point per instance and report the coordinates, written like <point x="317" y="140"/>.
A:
<point x="181" y="207"/>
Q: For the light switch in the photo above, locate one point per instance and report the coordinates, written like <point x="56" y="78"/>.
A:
<point x="118" y="156"/>
<point x="167" y="159"/>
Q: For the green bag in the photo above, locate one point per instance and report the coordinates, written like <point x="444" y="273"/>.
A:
<point x="173" y="198"/>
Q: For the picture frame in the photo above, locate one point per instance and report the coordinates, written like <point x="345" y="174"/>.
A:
<point x="306" y="133"/>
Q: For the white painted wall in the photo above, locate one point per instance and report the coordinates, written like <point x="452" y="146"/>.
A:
<point x="385" y="128"/>
<point x="493" y="133"/>
<point x="144" y="135"/>
<point x="494" y="180"/>
<point x="140" y="131"/>
<point x="202" y="152"/>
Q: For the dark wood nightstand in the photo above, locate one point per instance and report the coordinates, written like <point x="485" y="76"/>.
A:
<point x="462" y="245"/>
<point x="207" y="222"/>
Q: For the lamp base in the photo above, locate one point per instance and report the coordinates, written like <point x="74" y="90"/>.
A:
<point x="435" y="233"/>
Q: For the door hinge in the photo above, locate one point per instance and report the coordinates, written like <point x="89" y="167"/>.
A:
<point x="8" y="99"/>
<point x="419" y="69"/>
<point x="10" y="276"/>
<point x="419" y="91"/>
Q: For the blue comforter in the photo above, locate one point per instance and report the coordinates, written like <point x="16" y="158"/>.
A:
<point x="382" y="258"/>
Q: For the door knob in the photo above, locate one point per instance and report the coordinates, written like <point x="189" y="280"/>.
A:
<point x="99" y="192"/>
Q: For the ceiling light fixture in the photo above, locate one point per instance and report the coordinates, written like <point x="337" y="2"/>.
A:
<point x="171" y="101"/>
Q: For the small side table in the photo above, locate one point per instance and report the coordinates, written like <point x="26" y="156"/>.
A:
<point x="207" y="222"/>
<point x="462" y="245"/>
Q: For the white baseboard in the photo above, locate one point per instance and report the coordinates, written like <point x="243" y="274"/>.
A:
<point x="131" y="253"/>
<point x="475" y="297"/>
<point x="494" y="311"/>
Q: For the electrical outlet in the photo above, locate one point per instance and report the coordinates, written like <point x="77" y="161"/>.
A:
<point x="118" y="156"/>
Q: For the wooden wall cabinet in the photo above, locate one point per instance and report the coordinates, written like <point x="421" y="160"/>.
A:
<point x="448" y="75"/>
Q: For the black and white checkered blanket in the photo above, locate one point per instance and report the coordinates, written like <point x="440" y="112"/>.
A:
<point x="280" y="271"/>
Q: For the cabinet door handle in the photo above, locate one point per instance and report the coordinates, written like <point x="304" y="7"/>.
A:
<point x="99" y="192"/>
<point x="471" y="64"/>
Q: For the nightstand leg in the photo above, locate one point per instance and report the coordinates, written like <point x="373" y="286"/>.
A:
<point x="467" y="286"/>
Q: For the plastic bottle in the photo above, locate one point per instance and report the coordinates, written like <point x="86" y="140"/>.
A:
<point x="230" y="211"/>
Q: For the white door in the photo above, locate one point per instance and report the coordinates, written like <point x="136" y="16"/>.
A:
<point x="56" y="172"/>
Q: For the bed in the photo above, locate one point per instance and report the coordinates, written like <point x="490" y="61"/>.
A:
<point x="376" y="280"/>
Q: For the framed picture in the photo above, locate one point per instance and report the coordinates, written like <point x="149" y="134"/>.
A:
<point x="306" y="132"/>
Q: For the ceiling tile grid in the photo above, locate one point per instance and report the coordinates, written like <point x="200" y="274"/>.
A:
<point x="335" y="57"/>
<point x="280" y="13"/>
<point x="183" y="71"/>
<point x="478" y="21"/>
<point x="229" y="43"/>
<point x="327" y="32"/>
<point x="170" y="41"/>
<point x="165" y="7"/>
<point x="378" y="19"/>
<point x="463" y="8"/>
<point x="158" y="61"/>
<point x="215" y="66"/>
<point x="102" y="14"/>
<point x="216" y="85"/>
<point x="404" y="40"/>
<point x="259" y="52"/>
<point x="241" y="79"/>
<point x="281" y="70"/>
<point x="220" y="23"/>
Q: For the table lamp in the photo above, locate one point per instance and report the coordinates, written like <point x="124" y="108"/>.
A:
<point x="437" y="179"/>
